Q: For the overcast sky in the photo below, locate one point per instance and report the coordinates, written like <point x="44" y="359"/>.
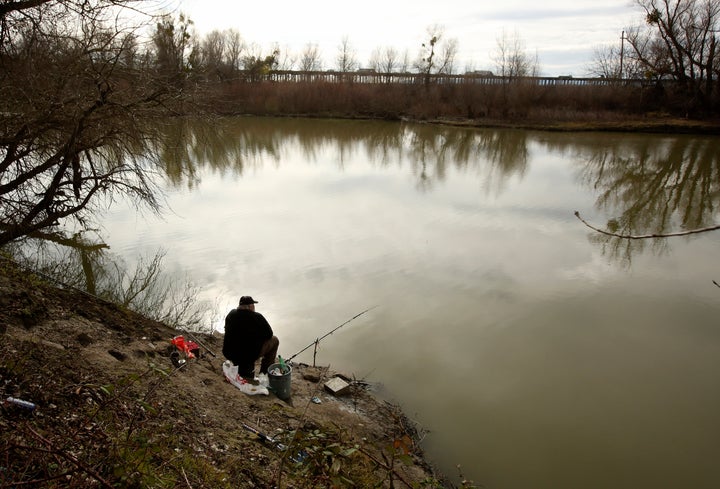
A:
<point x="563" y="33"/>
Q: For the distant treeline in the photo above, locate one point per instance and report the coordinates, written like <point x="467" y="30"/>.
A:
<point x="421" y="96"/>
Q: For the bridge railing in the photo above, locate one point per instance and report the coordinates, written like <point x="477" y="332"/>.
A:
<point x="373" y="77"/>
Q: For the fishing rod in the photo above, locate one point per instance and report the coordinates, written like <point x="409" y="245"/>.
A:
<point x="330" y="332"/>
<point x="298" y="457"/>
<point x="264" y="437"/>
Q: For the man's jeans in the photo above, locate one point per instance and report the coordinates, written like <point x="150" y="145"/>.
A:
<point x="268" y="352"/>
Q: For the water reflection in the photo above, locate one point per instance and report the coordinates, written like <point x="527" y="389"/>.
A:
<point x="648" y="184"/>
<point x="645" y="184"/>
<point x="654" y="187"/>
<point x="234" y="145"/>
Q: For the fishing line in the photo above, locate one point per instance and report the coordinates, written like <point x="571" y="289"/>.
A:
<point x="329" y="333"/>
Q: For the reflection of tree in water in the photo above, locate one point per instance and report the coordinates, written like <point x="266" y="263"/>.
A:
<point x="428" y="153"/>
<point x="76" y="264"/>
<point x="233" y="144"/>
<point x="222" y="144"/>
<point x="85" y="265"/>
<point x="492" y="154"/>
<point x="507" y="151"/>
<point x="432" y="150"/>
<point x="655" y="189"/>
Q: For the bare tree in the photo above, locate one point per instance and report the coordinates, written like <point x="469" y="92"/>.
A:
<point x="235" y="46"/>
<point x="213" y="50"/>
<point x="346" y="58"/>
<point x="680" y="42"/>
<point x="71" y="114"/>
<point x="426" y="62"/>
<point x="375" y="61"/>
<point x="609" y="61"/>
<point x="447" y="55"/>
<point x="438" y="54"/>
<point x="606" y="62"/>
<point x="511" y="59"/>
<point x="310" y="58"/>
<point x="404" y="66"/>
<point x="385" y="60"/>
<point x="286" y="59"/>
<point x="389" y="61"/>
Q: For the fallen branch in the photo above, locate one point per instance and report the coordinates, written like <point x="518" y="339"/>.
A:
<point x="647" y="236"/>
<point x="75" y="461"/>
<point x="186" y="477"/>
<point x="39" y="482"/>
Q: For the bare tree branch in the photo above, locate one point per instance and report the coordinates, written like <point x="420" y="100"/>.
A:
<point x="647" y="236"/>
<point x="73" y="107"/>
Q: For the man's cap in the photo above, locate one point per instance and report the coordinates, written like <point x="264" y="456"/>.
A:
<point x="247" y="300"/>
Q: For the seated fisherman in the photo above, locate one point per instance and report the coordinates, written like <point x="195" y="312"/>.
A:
<point x="248" y="337"/>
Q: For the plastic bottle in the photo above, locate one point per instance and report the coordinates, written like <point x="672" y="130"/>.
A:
<point x="19" y="402"/>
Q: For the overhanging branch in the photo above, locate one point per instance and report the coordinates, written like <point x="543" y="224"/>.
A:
<point x="646" y="236"/>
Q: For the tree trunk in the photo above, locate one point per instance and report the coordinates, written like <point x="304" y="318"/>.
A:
<point x="709" y="73"/>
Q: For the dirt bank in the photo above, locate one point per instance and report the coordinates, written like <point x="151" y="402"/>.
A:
<point x="648" y="124"/>
<point x="113" y="411"/>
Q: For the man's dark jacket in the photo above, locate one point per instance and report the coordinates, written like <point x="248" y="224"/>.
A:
<point x="245" y="333"/>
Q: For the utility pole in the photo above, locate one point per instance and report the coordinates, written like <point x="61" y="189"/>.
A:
<point x="622" y="52"/>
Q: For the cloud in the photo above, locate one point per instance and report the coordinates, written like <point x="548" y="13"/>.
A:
<point x="535" y="15"/>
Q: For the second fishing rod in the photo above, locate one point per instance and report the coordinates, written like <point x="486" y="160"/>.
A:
<point x="317" y="340"/>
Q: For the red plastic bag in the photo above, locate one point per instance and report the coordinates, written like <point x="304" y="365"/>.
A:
<point x="190" y="348"/>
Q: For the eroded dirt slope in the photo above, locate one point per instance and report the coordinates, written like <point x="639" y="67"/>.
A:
<point x="112" y="409"/>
